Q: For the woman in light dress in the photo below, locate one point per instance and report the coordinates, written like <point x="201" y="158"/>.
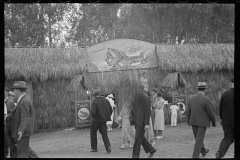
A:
<point x="128" y="131"/>
<point x="159" y="124"/>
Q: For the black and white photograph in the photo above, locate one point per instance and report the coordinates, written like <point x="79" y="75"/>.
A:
<point x="119" y="80"/>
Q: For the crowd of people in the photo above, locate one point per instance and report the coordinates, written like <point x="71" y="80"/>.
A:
<point x="141" y="118"/>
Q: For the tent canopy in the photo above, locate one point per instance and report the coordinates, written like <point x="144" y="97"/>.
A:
<point x="174" y="81"/>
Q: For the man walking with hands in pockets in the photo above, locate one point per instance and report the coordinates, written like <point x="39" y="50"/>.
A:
<point x="199" y="113"/>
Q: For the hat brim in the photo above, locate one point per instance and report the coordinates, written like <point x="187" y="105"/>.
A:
<point x="15" y="87"/>
<point x="201" y="87"/>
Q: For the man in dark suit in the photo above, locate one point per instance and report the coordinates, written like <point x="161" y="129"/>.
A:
<point x="226" y="112"/>
<point x="22" y="126"/>
<point x="101" y="111"/>
<point x="7" y="131"/>
<point x="199" y="113"/>
<point x="141" y="115"/>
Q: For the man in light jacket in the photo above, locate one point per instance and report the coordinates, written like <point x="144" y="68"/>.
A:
<point x="199" y="113"/>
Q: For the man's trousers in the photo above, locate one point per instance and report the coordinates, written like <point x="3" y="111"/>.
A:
<point x="199" y="134"/>
<point x="95" y="125"/>
<point x="228" y="129"/>
<point x="174" y="119"/>
<point x="153" y="121"/>
<point x="31" y="153"/>
<point x="12" y="145"/>
<point x="23" y="147"/>
<point x="141" y="140"/>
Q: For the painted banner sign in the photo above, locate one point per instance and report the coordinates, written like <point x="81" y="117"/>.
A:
<point x="121" y="54"/>
<point x="182" y="102"/>
<point x="82" y="109"/>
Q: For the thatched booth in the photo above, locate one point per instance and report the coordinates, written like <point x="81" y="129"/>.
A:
<point x="50" y="70"/>
<point x="82" y="101"/>
<point x="47" y="71"/>
<point x="171" y="85"/>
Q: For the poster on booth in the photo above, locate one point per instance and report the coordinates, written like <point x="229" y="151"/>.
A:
<point x="182" y="103"/>
<point x="121" y="54"/>
<point x="83" y="113"/>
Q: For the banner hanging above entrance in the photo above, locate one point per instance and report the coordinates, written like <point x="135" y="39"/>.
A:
<point x="121" y="54"/>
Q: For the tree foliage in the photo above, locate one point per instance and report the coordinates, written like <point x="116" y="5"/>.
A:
<point x="63" y="24"/>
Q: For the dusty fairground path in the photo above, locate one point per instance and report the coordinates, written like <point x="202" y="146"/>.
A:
<point x="177" y="142"/>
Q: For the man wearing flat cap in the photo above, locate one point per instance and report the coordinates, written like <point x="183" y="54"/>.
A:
<point x="199" y="113"/>
<point x="226" y="112"/>
<point x="101" y="111"/>
<point x="22" y="126"/>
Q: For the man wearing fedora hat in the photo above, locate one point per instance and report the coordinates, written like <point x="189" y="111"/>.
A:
<point x="101" y="111"/>
<point x="22" y="119"/>
<point x="199" y="113"/>
<point x="226" y="112"/>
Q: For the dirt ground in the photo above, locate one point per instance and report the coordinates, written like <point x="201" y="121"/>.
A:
<point x="177" y="142"/>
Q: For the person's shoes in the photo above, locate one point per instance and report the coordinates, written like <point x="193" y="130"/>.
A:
<point x="151" y="153"/>
<point x="122" y="147"/>
<point x="130" y="146"/>
<point x="93" y="150"/>
<point x="108" y="149"/>
<point x="205" y="152"/>
<point x="218" y="155"/>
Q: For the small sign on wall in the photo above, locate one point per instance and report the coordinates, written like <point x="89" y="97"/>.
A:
<point x="82" y="113"/>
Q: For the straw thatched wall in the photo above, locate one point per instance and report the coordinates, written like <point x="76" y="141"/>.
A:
<point x="43" y="63"/>
<point x="51" y="74"/>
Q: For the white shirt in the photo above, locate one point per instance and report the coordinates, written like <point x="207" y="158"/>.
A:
<point x="19" y="98"/>
<point x="111" y="102"/>
<point x="174" y="109"/>
<point x="5" y="109"/>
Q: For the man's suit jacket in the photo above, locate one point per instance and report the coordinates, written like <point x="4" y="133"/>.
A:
<point x="141" y="110"/>
<point x="22" y="118"/>
<point x="226" y="107"/>
<point x="199" y="111"/>
<point x="101" y="109"/>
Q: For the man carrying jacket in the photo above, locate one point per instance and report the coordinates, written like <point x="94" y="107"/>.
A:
<point x="101" y="111"/>
<point x="226" y="112"/>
